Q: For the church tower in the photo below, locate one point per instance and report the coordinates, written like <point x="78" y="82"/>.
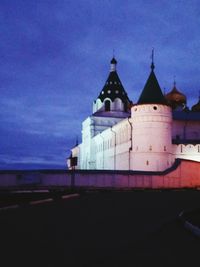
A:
<point x="112" y="106"/>
<point x="152" y="127"/>
<point x="113" y="99"/>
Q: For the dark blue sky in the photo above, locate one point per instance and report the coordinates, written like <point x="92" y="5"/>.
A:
<point x="54" y="60"/>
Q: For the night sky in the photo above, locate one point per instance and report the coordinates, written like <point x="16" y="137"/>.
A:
<point x="54" y="61"/>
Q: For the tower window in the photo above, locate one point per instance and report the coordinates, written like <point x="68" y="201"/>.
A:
<point x="107" y="105"/>
<point x="155" y="108"/>
<point x="147" y="162"/>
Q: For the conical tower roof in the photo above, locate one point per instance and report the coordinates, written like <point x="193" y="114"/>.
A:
<point x="152" y="93"/>
<point x="113" y="87"/>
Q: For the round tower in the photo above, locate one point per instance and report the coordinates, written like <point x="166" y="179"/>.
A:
<point x="152" y="129"/>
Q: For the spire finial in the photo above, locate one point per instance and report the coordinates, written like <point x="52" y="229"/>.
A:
<point x="113" y="63"/>
<point x="174" y="80"/>
<point x="152" y="59"/>
<point x="199" y="95"/>
<point x="113" y="52"/>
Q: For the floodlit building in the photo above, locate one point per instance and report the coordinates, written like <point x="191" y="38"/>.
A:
<point x="146" y="136"/>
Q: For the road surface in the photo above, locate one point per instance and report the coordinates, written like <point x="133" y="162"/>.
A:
<point x="138" y="228"/>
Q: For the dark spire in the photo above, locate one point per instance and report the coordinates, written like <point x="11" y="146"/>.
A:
<point x="152" y="60"/>
<point x="152" y="93"/>
<point x="174" y="81"/>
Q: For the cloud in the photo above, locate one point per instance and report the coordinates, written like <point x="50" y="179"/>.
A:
<point x="55" y="59"/>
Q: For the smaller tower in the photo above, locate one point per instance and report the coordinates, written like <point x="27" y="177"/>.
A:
<point x="113" y="99"/>
<point x="152" y="122"/>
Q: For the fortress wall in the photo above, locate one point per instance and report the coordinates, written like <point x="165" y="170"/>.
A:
<point x="189" y="151"/>
<point x="187" y="174"/>
<point x="8" y="179"/>
<point x="56" y="179"/>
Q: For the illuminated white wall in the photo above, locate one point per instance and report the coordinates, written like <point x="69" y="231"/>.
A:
<point x="96" y="149"/>
<point x="189" y="151"/>
<point x="142" y="142"/>
<point x="112" y="147"/>
<point x="152" y="142"/>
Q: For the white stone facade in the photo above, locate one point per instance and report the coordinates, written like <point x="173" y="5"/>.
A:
<point x="141" y="142"/>
<point x="147" y="139"/>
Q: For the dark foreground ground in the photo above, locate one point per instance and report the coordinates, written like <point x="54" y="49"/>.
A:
<point x="138" y="228"/>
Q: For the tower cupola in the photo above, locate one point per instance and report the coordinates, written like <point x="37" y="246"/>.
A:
<point x="113" y="64"/>
<point x="113" y="97"/>
<point x="175" y="98"/>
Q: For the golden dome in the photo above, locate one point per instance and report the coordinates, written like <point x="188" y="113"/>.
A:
<point x="176" y="98"/>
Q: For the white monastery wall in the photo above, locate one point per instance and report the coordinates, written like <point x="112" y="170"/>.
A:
<point x="108" y="149"/>
<point x="107" y="141"/>
<point x="189" y="151"/>
<point x="93" y="126"/>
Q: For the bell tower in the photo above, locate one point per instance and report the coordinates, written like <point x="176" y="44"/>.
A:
<point x="113" y="98"/>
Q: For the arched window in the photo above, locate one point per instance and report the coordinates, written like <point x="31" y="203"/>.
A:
<point x="107" y="105"/>
<point x="118" y="104"/>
